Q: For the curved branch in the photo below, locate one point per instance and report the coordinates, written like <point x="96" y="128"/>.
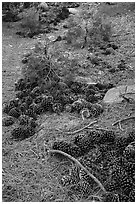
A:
<point x="80" y="165"/>
<point x="86" y="126"/>
<point x="132" y="117"/>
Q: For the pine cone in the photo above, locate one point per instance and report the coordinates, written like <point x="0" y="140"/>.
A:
<point x="23" y="107"/>
<point x="122" y="142"/>
<point x="20" y="85"/>
<point x="30" y="113"/>
<point x="47" y="103"/>
<point x="75" y="151"/>
<point x="68" y="108"/>
<point x="14" y="102"/>
<point x="66" y="180"/>
<point x="14" y="112"/>
<point x="69" y="148"/>
<point x="85" y="177"/>
<point x="77" y="106"/>
<point x="28" y="100"/>
<point x="24" y="120"/>
<point x="110" y="197"/>
<point x="129" y="152"/>
<point x="32" y="123"/>
<point x="38" y="99"/>
<point x="90" y="91"/>
<point x="91" y="98"/>
<point x="132" y="195"/>
<point x="129" y="167"/>
<point x="82" y="188"/>
<point x="35" y="92"/>
<point x="7" y="107"/>
<point x="21" y="133"/>
<point x="7" y="121"/>
<point x="76" y="87"/>
<point x="21" y="94"/>
<point x="38" y="109"/>
<point x="57" y="108"/>
<point x="107" y="136"/>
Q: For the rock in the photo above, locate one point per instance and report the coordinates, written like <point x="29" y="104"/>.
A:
<point x="85" y="80"/>
<point x="43" y="6"/>
<point x="109" y="51"/>
<point x="114" y="95"/>
<point x="73" y="10"/>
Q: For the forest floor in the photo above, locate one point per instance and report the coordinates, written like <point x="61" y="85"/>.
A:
<point x="26" y="166"/>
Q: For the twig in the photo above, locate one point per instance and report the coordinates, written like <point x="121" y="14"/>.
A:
<point x="132" y="117"/>
<point x="120" y="127"/>
<point x="71" y="133"/>
<point x="98" y="128"/>
<point x="79" y="165"/>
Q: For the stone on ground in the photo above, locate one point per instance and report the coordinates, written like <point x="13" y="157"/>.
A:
<point x="114" y="95"/>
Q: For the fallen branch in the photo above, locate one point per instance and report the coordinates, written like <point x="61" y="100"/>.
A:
<point x="79" y="165"/>
<point x="119" y="121"/>
<point x="79" y="130"/>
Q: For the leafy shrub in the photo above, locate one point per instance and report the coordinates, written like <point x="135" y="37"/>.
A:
<point x="39" y="67"/>
<point x="30" y="20"/>
<point x="92" y="28"/>
<point x="37" y="64"/>
<point x="99" y="31"/>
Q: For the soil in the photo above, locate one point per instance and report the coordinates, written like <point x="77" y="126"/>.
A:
<point x="26" y="165"/>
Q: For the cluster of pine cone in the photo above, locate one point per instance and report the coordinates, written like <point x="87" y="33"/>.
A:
<point x="109" y="157"/>
<point x="32" y="100"/>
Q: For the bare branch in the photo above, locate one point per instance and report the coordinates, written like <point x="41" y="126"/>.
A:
<point x="79" y="130"/>
<point x="79" y="165"/>
<point x="124" y="119"/>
